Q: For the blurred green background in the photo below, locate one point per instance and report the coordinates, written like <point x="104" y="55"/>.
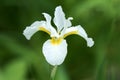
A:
<point x="21" y="59"/>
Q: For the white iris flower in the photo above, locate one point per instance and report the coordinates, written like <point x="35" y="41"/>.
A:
<point x="55" y="49"/>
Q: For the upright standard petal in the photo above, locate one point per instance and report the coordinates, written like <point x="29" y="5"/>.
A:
<point x="48" y="18"/>
<point x="59" y="19"/>
<point x="67" y="25"/>
<point x="68" y="22"/>
<point x="55" y="53"/>
<point x="30" y="30"/>
<point x="81" y="32"/>
<point x="49" y="26"/>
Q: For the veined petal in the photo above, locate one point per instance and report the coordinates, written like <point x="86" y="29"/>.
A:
<point x="33" y="28"/>
<point x="55" y="53"/>
<point x="81" y="32"/>
<point x="59" y="19"/>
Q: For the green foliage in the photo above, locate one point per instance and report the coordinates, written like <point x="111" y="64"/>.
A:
<point x="21" y="59"/>
<point x="14" y="71"/>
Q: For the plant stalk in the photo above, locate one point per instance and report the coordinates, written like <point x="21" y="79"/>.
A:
<point x="53" y="73"/>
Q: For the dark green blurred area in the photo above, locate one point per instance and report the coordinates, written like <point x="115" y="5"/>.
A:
<point x="21" y="59"/>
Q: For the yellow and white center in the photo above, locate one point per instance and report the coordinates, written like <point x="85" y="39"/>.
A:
<point x="56" y="41"/>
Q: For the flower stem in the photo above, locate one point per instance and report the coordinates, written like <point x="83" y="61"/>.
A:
<point x="53" y="72"/>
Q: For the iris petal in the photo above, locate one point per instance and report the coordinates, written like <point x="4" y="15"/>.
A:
<point x="33" y="28"/>
<point x="55" y="54"/>
<point x="81" y="32"/>
<point x="59" y="18"/>
<point x="49" y="26"/>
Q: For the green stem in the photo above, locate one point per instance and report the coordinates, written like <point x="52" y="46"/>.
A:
<point x="53" y="72"/>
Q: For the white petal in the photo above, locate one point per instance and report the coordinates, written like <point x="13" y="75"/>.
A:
<point x="47" y="17"/>
<point x="49" y="26"/>
<point x="80" y="31"/>
<point x="59" y="18"/>
<point x="68" y="22"/>
<point x="83" y="34"/>
<point x="90" y="42"/>
<point x="55" y="54"/>
<point x="71" y="29"/>
<point x="30" y="30"/>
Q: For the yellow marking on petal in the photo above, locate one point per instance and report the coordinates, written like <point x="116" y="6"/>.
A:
<point x="45" y="30"/>
<point x="70" y="33"/>
<point x="56" y="41"/>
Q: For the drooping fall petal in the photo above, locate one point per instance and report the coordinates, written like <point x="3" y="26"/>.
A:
<point x="33" y="28"/>
<point x="55" y="53"/>
<point x="81" y="32"/>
